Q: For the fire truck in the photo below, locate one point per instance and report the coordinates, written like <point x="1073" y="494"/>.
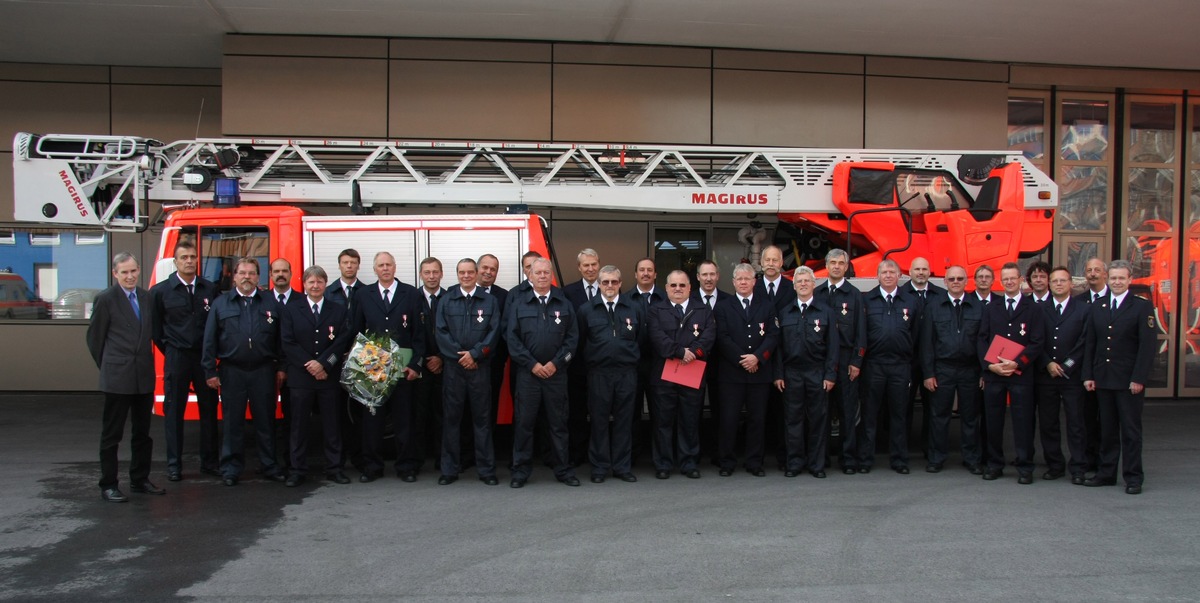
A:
<point x="264" y="197"/>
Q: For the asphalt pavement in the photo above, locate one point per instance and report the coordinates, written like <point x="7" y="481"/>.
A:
<point x="879" y="537"/>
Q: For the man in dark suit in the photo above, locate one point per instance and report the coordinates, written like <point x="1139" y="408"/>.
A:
<point x="1008" y="382"/>
<point x="891" y="339"/>
<point x="390" y="308"/>
<point x="426" y="440"/>
<point x="709" y="276"/>
<point x="950" y="359"/>
<point x="242" y="333"/>
<point x="342" y="291"/>
<point x="984" y="278"/>
<point x="778" y="289"/>
<point x="919" y="286"/>
<point x="1059" y="383"/>
<point x="1096" y="273"/>
<point x="467" y="327"/>
<point x="282" y="291"/>
<point x="315" y="337"/>
<point x="681" y="331"/>
<point x="647" y="294"/>
<point x="1121" y="342"/>
<point x="849" y="311"/>
<point x="489" y="268"/>
<point x="181" y="305"/>
<point x="119" y="339"/>
<point x="747" y="332"/>
<point x="613" y="328"/>
<point x="805" y="370"/>
<point x="580" y="293"/>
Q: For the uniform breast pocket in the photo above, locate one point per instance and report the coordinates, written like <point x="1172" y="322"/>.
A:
<point x="945" y="328"/>
<point x="174" y="304"/>
<point x="971" y="326"/>
<point x="480" y="321"/>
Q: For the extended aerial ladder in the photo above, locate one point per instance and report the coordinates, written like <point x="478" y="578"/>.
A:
<point x="841" y="194"/>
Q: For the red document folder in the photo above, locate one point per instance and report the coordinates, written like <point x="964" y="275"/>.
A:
<point x="687" y="375"/>
<point x="1003" y="347"/>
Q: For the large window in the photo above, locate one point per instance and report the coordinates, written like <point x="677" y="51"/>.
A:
<point x="51" y="273"/>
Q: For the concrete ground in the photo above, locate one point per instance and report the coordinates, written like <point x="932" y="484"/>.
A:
<point x="922" y="537"/>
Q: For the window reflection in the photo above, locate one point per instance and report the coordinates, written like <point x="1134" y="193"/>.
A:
<point x="1084" y="130"/>
<point x="51" y="273"/>
<point x="1082" y="198"/>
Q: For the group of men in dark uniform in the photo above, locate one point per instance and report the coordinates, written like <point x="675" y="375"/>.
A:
<point x="776" y="357"/>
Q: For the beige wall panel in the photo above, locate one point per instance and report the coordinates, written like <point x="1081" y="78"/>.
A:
<point x="787" y="109"/>
<point x="26" y="367"/>
<point x="631" y="104"/>
<point x="170" y="76"/>
<point x="306" y="46"/>
<point x="40" y="72"/>
<point x="166" y="113"/>
<point x="621" y="244"/>
<point x="904" y="113"/>
<point x="471" y="50"/>
<point x="960" y="70"/>
<point x="788" y="61"/>
<point x="605" y="54"/>
<point x="444" y="99"/>
<point x="1104" y="79"/>
<point x="304" y="97"/>
<point x="48" y="108"/>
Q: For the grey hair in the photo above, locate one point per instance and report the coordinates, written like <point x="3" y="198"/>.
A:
<point x="1121" y="264"/>
<point x="743" y="267"/>
<point x="837" y="253"/>
<point x="610" y="269"/>
<point x="889" y="263"/>
<point x="123" y="257"/>
<point x="804" y="270"/>
<point x="316" y="271"/>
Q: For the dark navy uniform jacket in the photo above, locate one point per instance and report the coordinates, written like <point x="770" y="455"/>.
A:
<point x="785" y="292"/>
<point x="670" y="336"/>
<point x="245" y="342"/>
<point x="892" y="331"/>
<point x="540" y="336"/>
<point x="400" y="319"/>
<point x="305" y="337"/>
<point x="336" y="292"/>
<point x="950" y="338"/>
<point x="1026" y="327"/>
<point x="807" y="341"/>
<point x="1120" y="346"/>
<point x="612" y="342"/>
<point x="746" y="332"/>
<point x="470" y="323"/>
<point x="179" y="318"/>
<point x="1064" y="340"/>
<point x="846" y="303"/>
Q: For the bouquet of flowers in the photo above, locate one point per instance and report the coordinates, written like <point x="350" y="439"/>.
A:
<point x="374" y="366"/>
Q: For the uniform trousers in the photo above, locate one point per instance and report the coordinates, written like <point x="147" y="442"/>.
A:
<point x="241" y="387"/>
<point x="577" y="420"/>
<point x="1091" y="429"/>
<point x="806" y="412"/>
<point x="548" y="396"/>
<point x="181" y="370"/>
<point x="1018" y="397"/>
<point x="754" y="397"/>
<point x="675" y="425"/>
<point x="611" y="393"/>
<point x="116" y="408"/>
<point x="844" y="403"/>
<point x="399" y="408"/>
<point x="426" y="436"/>
<point x="886" y="387"/>
<point x="1121" y="435"/>
<point x="467" y="392"/>
<point x="328" y="405"/>
<point x="1062" y="397"/>
<point x="961" y="380"/>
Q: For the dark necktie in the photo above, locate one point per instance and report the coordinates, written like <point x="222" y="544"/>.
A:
<point x="137" y="310"/>
<point x="316" y="313"/>
<point x="679" y="311"/>
<point x="1112" y="306"/>
<point x="1058" y="307"/>
<point x="611" y="313"/>
<point x="1011" y="306"/>
<point x="191" y="291"/>
<point x="771" y="289"/>
<point x="958" y="313"/>
<point x="1095" y="297"/>
<point x="386" y="301"/>
<point x="888" y="299"/>
<point x="922" y="294"/>
<point x="282" y="299"/>
<point x="591" y="291"/>
<point x="746" y="305"/>
<point x="708" y="301"/>
<point x="803" y="309"/>
<point x="542" y="302"/>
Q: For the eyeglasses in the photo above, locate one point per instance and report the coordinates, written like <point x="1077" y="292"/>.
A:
<point x="616" y="282"/>
<point x="955" y="279"/>
<point x="676" y="285"/>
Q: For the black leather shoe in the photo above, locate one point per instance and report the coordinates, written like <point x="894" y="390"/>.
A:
<point x="993" y="474"/>
<point x="694" y="473"/>
<point x="933" y="468"/>
<point x="369" y="477"/>
<point x="791" y="473"/>
<point x="1096" y="481"/>
<point x="864" y="469"/>
<point x="757" y="472"/>
<point x="974" y="469"/>
<point x="819" y="474"/>
<point x="662" y="474"/>
<point x="446" y="480"/>
<point x="490" y="480"/>
<point x="627" y="477"/>
<point x="174" y="476"/>
<point x="902" y="470"/>
<point x="515" y="483"/>
<point x="231" y="481"/>
<point x="294" y="480"/>
<point x="849" y="470"/>
<point x="275" y="477"/>
<point x="1133" y="489"/>
<point x="146" y="487"/>
<point x="408" y="476"/>
<point x="570" y="481"/>
<point x="1077" y="479"/>
<point x="338" y="477"/>
<point x="212" y="472"/>
<point x="597" y="479"/>
<point x="1025" y="479"/>
<point x="113" y="495"/>
<point x="1053" y="474"/>
<point x="726" y="472"/>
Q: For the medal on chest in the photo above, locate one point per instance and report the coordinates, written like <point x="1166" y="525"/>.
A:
<point x="330" y="333"/>
<point x="905" y="310"/>
<point x="269" y="319"/>
<point x="1022" y="331"/>
<point x="845" y="309"/>
<point x="762" y="328"/>
<point x="557" y="320"/>
<point x="479" y="318"/>
<point x="629" y="323"/>
<point x="817" y="326"/>
<point x="206" y="304"/>
<point x="404" y="320"/>
<point x="695" y="329"/>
